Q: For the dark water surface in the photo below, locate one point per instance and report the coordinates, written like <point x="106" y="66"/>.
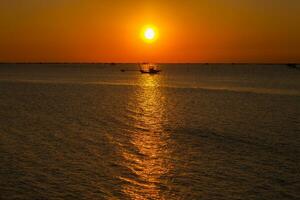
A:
<point x="192" y="132"/>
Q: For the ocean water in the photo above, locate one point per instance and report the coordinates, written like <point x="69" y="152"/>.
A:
<point x="78" y="131"/>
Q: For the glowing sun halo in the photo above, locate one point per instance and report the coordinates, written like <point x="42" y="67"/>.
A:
<point x="149" y="34"/>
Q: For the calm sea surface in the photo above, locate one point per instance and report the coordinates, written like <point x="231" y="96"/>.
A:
<point x="192" y="132"/>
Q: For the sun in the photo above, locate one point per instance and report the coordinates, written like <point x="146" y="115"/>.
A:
<point x="149" y="34"/>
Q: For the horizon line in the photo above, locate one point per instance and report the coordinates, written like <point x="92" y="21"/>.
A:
<point x="203" y="63"/>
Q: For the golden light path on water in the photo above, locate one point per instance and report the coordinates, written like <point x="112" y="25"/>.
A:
<point x="150" y="163"/>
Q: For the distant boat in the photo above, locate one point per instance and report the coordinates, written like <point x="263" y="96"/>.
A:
<point x="147" y="68"/>
<point x="292" y="65"/>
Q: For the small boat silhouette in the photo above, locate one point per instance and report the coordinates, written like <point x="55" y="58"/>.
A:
<point x="149" y="69"/>
<point x="292" y="65"/>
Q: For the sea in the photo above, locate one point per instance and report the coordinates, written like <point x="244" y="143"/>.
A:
<point x="194" y="131"/>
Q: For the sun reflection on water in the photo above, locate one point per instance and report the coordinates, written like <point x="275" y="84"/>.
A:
<point x="148" y="162"/>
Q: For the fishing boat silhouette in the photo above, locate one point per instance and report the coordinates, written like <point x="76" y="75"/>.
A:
<point x="147" y="68"/>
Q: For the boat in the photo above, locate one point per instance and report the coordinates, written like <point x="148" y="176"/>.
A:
<point x="292" y="65"/>
<point x="149" y="69"/>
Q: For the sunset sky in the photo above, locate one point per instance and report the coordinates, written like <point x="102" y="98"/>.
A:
<point x="187" y="31"/>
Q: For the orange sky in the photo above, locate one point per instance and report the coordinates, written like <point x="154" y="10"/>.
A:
<point x="189" y="31"/>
